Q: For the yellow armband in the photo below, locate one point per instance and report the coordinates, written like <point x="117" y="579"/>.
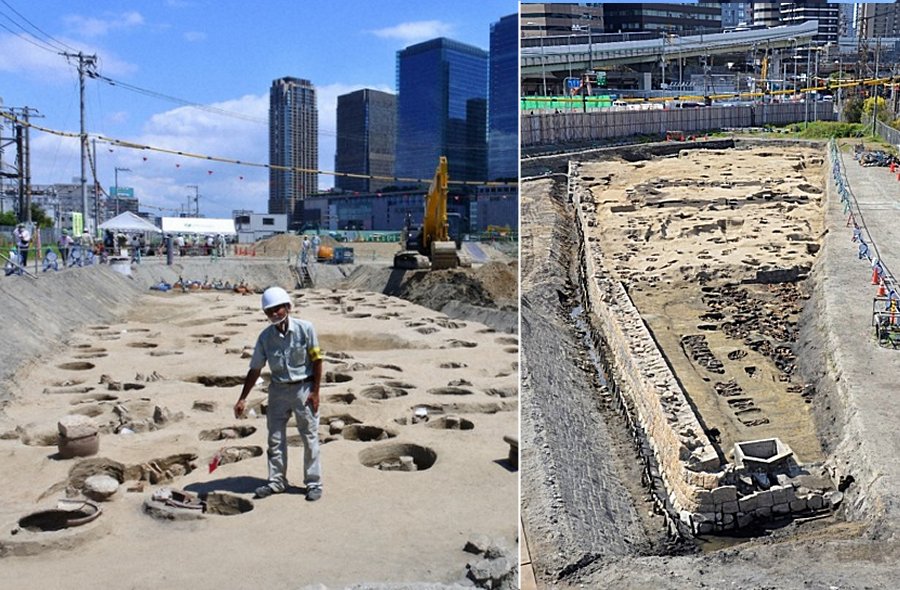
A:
<point x="315" y="353"/>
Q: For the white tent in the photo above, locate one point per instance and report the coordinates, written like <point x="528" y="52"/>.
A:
<point x="198" y="225"/>
<point x="129" y="222"/>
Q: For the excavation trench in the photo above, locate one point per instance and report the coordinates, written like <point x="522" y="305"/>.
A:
<point x="695" y="307"/>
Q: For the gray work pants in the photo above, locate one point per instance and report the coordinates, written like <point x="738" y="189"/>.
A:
<point x="284" y="400"/>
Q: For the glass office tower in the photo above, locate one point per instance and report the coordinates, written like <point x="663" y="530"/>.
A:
<point x="442" y="109"/>
<point x="503" y="109"/>
<point x="366" y="128"/>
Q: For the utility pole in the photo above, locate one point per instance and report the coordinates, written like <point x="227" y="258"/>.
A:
<point x="875" y="90"/>
<point x="86" y="65"/>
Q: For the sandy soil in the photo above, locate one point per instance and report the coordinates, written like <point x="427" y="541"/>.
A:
<point x="170" y="370"/>
<point x="696" y="238"/>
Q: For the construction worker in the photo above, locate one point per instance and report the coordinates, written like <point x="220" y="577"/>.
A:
<point x="291" y="349"/>
<point x="23" y="242"/>
<point x="64" y="243"/>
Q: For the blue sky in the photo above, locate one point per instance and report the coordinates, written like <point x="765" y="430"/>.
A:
<point x="223" y="54"/>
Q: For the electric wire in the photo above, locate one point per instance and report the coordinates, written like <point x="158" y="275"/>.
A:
<point x="136" y="146"/>
<point x="35" y="27"/>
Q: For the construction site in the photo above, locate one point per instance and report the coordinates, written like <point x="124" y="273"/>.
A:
<point x="719" y="408"/>
<point x="126" y="466"/>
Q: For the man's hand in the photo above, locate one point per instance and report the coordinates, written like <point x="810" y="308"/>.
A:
<point x="314" y="401"/>
<point x="239" y="408"/>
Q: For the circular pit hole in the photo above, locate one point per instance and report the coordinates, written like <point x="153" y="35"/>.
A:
<point x="76" y="366"/>
<point x="398" y="457"/>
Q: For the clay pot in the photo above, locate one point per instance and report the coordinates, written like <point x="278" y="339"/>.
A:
<point x="84" y="446"/>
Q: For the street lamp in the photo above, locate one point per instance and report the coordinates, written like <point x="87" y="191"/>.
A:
<point x="116" y="188"/>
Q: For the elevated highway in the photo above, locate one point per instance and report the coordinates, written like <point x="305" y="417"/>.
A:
<point x="579" y="57"/>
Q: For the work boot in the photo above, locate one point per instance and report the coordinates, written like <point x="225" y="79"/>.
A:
<point x="313" y="494"/>
<point x="265" y="491"/>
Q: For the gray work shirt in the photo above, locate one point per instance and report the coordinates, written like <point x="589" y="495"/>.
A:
<point x="291" y="355"/>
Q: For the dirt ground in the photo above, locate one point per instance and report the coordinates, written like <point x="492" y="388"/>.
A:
<point x="703" y="242"/>
<point x="160" y="379"/>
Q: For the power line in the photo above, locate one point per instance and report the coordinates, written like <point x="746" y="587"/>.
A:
<point x="221" y="160"/>
<point x="35" y="27"/>
<point x="28" y="38"/>
<point x="175" y="99"/>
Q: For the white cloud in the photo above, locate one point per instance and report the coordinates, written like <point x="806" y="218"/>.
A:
<point x="194" y="36"/>
<point x="21" y="57"/>
<point x="413" y="32"/>
<point x="18" y="56"/>
<point x="97" y="27"/>
<point x="161" y="179"/>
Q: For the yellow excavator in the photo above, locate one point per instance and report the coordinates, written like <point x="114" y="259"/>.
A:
<point x="430" y="246"/>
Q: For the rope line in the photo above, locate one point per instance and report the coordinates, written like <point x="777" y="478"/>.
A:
<point x="136" y="146"/>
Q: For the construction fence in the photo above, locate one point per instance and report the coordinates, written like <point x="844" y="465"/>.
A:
<point x="888" y="133"/>
<point x="580" y="128"/>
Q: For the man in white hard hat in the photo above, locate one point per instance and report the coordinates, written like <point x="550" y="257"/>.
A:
<point x="291" y="349"/>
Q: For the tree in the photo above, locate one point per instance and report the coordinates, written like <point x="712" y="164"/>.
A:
<point x="853" y="109"/>
<point x="38" y="217"/>
<point x="882" y="114"/>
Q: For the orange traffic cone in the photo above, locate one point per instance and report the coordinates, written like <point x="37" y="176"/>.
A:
<point x="875" y="278"/>
<point x="881" y="290"/>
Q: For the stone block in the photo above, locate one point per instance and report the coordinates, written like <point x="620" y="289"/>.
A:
<point x="730" y="508"/>
<point x="815" y="502"/>
<point x="728" y="520"/>
<point x="76" y="426"/>
<point x="724" y="494"/>
<point x="764" y="499"/>
<point x="779" y="495"/>
<point x="748" y="503"/>
<point x="781" y="508"/>
<point x="763" y="512"/>
<point x="798" y="505"/>
<point x="744" y="520"/>
<point x="705" y="528"/>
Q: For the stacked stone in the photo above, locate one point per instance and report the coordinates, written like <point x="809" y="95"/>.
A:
<point x="682" y="449"/>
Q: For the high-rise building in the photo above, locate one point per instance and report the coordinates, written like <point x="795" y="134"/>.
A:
<point x="442" y="109"/>
<point x="366" y="131"/>
<point x="503" y="111"/>
<point x="293" y="147"/>
<point x="767" y="14"/>
<point x="827" y="15"/>
<point x="877" y="20"/>
<point x="545" y="19"/>
<point x="672" y="18"/>
<point x="734" y="14"/>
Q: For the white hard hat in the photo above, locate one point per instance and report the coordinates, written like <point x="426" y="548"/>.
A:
<point x="275" y="296"/>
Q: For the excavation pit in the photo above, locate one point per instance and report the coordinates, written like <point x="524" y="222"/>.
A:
<point x="366" y="433"/>
<point x="227" y="433"/>
<point x="66" y="515"/>
<point x="225" y="504"/>
<point x="76" y="366"/>
<point x="218" y="380"/>
<point x="398" y="457"/>
<point x="382" y="392"/>
<point x="451" y="423"/>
